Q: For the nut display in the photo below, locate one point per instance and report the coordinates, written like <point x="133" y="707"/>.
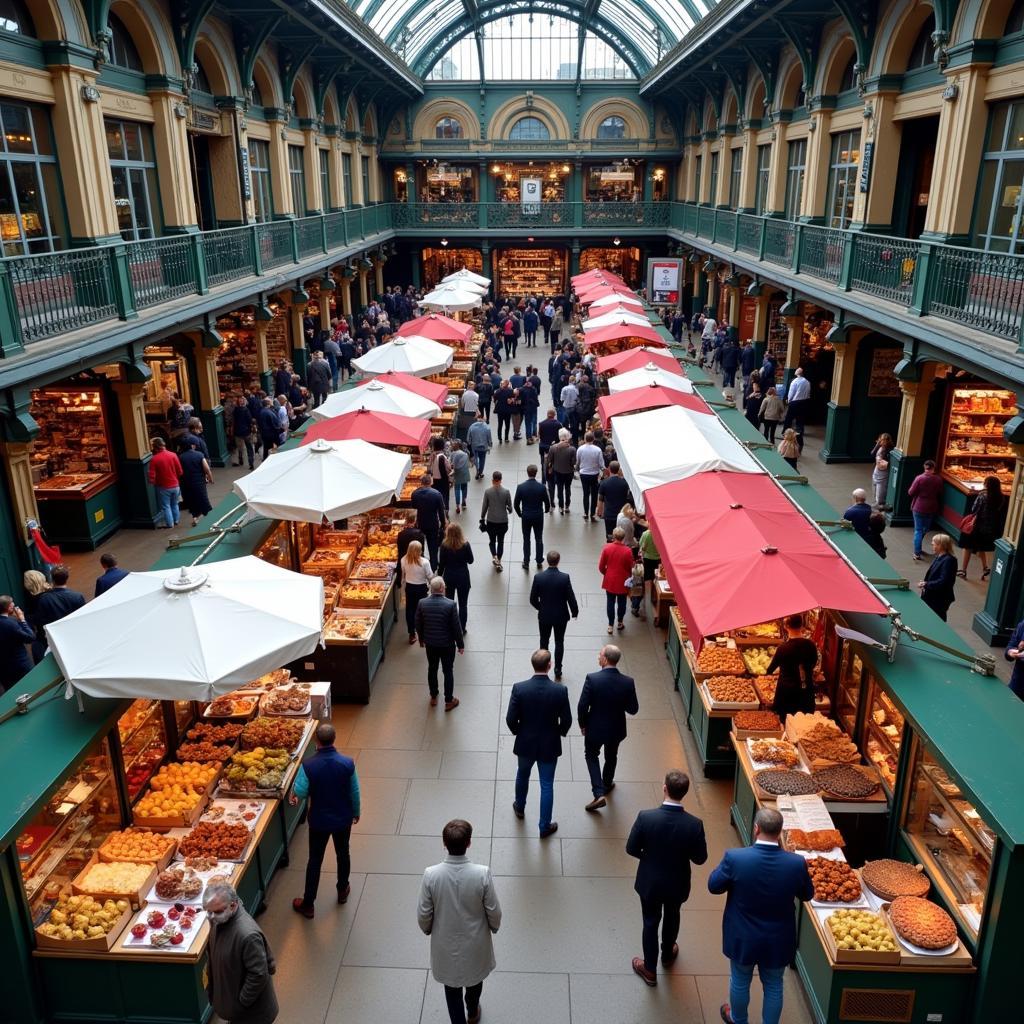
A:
<point x="349" y="627"/>
<point x="834" y="881"/>
<point x="136" y="845"/>
<point x="766" y="687"/>
<point x="82" y="917"/>
<point x="730" y="690"/>
<point x="922" y="923"/>
<point x="784" y="782"/>
<point x="861" y="930"/>
<point x="364" y="592"/>
<point x="757" y="721"/>
<point x="819" y="840"/>
<point x="226" y="733"/>
<point x="205" y="752"/>
<point x="891" y="879"/>
<point x="845" y="781"/>
<point x="293" y="700"/>
<point x="259" y="769"/>
<point x="720" y="660"/>
<point x="115" y="877"/>
<point x="215" y="839"/>
<point x="778" y="752"/>
<point x="279" y="733"/>
<point x="813" y="725"/>
<point x="369" y="570"/>
<point x="178" y="883"/>
<point x="832" y="748"/>
<point x="758" y="659"/>
<point x="380" y="553"/>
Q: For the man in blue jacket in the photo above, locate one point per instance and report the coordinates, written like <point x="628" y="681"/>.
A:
<point x="759" y="926"/>
<point x="329" y="780"/>
<point x="111" y="574"/>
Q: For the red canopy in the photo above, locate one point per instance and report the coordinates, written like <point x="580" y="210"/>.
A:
<point x="437" y="328"/>
<point x="617" y="332"/>
<point x="654" y="396"/>
<point x="597" y="290"/>
<point x="437" y="393"/>
<point x="634" y="358"/>
<point x="600" y="276"/>
<point x="376" y="427"/>
<point x="736" y="552"/>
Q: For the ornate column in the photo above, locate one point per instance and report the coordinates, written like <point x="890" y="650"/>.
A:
<point x="170" y="141"/>
<point x="209" y="409"/>
<point x="836" y="447"/>
<point x="748" y="171"/>
<point x="794" y="344"/>
<point x="721" y="196"/>
<point x="311" y="168"/>
<point x="364" y="292"/>
<point x="874" y="208"/>
<point x="378" y="274"/>
<point x="906" y="459"/>
<point x="297" y="300"/>
<point x="15" y="456"/>
<point x="261" y="325"/>
<point x="819" y="151"/>
<point x="775" y="203"/>
<point x="705" y="169"/>
<point x="345" y="294"/>
<point x="760" y="331"/>
<point x="280" y="178"/>
<point x="138" y="500"/>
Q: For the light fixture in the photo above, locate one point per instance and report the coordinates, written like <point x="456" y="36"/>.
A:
<point x="616" y="240"/>
<point x="496" y="169"/>
<point x="90" y="94"/>
<point x="444" y="241"/>
<point x="565" y="168"/>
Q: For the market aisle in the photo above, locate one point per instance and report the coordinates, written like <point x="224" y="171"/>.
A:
<point x="571" y="919"/>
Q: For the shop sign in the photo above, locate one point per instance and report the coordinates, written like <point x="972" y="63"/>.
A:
<point x="530" y="192"/>
<point x="748" y="313"/>
<point x="663" y="277"/>
<point x="243" y="158"/>
<point x="626" y="176"/>
<point x="883" y="382"/>
<point x="865" y="166"/>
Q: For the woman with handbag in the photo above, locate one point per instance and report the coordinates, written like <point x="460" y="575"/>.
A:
<point x="979" y="530"/>
<point x="880" y="474"/>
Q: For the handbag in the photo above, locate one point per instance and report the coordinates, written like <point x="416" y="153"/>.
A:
<point x="967" y="524"/>
<point x="483" y="526"/>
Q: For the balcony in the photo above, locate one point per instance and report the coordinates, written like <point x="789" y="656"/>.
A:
<point x="981" y="291"/>
<point x="542" y="217"/>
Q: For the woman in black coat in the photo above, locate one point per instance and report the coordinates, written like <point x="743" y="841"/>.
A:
<point x="453" y="564"/>
<point x="937" y="586"/>
<point x="752" y="406"/>
<point x="989" y="511"/>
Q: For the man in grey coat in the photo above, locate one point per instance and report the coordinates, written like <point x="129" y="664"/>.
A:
<point x="241" y="989"/>
<point x="459" y="910"/>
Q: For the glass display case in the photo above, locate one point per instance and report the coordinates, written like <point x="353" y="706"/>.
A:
<point x="531" y="271"/>
<point x="882" y="734"/>
<point x="277" y="548"/>
<point x="72" y="454"/>
<point x="55" y="847"/>
<point x="974" y="445"/>
<point x="184" y="716"/>
<point x="143" y="743"/>
<point x="950" y="838"/>
<point x="848" y="689"/>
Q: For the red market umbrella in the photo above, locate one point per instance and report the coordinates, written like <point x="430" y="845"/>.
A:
<point x="656" y="396"/>
<point x="599" y="276"/>
<point x="437" y="328"/>
<point x="376" y="427"/>
<point x="737" y="551"/>
<point x="437" y="393"/>
<point x="634" y="358"/>
<point x="597" y="290"/>
<point x="620" y="332"/>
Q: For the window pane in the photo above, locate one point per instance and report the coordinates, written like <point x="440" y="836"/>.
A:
<point x="325" y="178"/>
<point x="530" y="129"/>
<point x="141" y="203"/>
<point x="133" y="140"/>
<point x="123" y="202"/>
<point x="1007" y="199"/>
<point x="713" y="182"/>
<point x="17" y="128"/>
<point x="986" y="199"/>
<point x="1015" y="136"/>
<point x="115" y="143"/>
<point x="28" y="192"/>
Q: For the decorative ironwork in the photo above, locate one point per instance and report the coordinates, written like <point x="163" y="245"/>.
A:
<point x="161" y="269"/>
<point x="884" y="267"/>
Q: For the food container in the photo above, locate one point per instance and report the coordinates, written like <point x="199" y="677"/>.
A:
<point x="241" y="707"/>
<point x="855" y="956"/>
<point x="135" y="897"/>
<point x="342" y="628"/>
<point x="728" y="705"/>
<point x="363" y="594"/>
<point x="100" y="944"/>
<point x="187" y="820"/>
<point x="161" y="862"/>
<point x="144" y="944"/>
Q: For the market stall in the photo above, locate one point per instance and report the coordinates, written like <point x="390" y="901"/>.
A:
<point x="615" y="315"/>
<point x="522" y="272"/>
<point x="411" y="354"/>
<point x="436" y="327"/>
<point x="612" y="298"/>
<point x="640" y="358"/>
<point x="379" y="394"/>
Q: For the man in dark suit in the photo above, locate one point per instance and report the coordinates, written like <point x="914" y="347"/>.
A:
<point x="439" y="630"/>
<point x="759" y="926"/>
<point x="552" y="595"/>
<point x="666" y="840"/>
<point x="111" y="574"/>
<point x="431" y="517"/>
<point x="530" y="504"/>
<point x="538" y="716"/>
<point x="52" y="605"/>
<point x="607" y="697"/>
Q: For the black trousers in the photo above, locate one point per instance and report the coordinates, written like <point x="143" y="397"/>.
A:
<point x="459" y="592"/>
<point x="558" y="628"/>
<point x="600" y="780"/>
<point x="533" y="525"/>
<point x="317" y="847"/>
<point x="414" y="593"/>
<point x="590" y="484"/>
<point x="653" y="910"/>
<point x="504" y="425"/>
<point x="453" y="997"/>
<point x="496" y="539"/>
<point x="545" y="476"/>
<point x="433" y="546"/>
<point x="445" y="657"/>
<point x="485" y="408"/>
<point x="564" y="483"/>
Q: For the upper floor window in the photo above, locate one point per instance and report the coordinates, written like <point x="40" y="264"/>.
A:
<point x="922" y="53"/>
<point x="849" y="79"/>
<point x="201" y="82"/>
<point x="529" y="129"/>
<point x="14" y="17"/>
<point x="133" y="169"/>
<point x="257" y="95"/>
<point x="123" y="53"/>
<point x="842" y="178"/>
<point x="259" y="172"/>
<point x="764" y="163"/>
<point x="612" y="127"/>
<point x="448" y="128"/>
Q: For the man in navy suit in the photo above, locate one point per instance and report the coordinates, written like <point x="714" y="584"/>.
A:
<point x="666" y="840"/>
<point x="759" y="926"/>
<point x="111" y="574"/>
<point x="607" y="697"/>
<point x="552" y="595"/>
<point x="530" y="503"/>
<point x="538" y="716"/>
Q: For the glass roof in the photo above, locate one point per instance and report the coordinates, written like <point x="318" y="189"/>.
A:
<point x="425" y="32"/>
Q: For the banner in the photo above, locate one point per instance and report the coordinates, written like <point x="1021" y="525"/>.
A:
<point x="663" y="281"/>
<point x="529" y="190"/>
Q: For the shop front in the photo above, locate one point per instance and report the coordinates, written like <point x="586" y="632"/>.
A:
<point x="436" y="264"/>
<point x="817" y="357"/>
<point x="169" y="378"/>
<point x="239" y="356"/>
<point x="445" y="183"/>
<point x="619" y="259"/>
<point x="535" y="271"/>
<point x="517" y="183"/>
<point x="618" y="182"/>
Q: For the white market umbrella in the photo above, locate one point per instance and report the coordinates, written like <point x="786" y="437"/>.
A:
<point x="452" y="296"/>
<point x="190" y="633"/>
<point x="413" y="354"/>
<point x="467" y="276"/>
<point x="616" y="299"/>
<point x="644" y="377"/>
<point x="673" y="443"/>
<point x="618" y="315"/>
<point x="377" y="396"/>
<point x="325" y="479"/>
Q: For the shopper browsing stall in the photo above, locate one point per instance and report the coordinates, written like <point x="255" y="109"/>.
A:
<point x="795" y="660"/>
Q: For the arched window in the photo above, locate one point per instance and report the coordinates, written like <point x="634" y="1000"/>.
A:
<point x="613" y="127"/>
<point x="922" y="53"/>
<point x="448" y="128"/>
<point x="202" y="80"/>
<point x="123" y="53"/>
<point x="14" y="17"/>
<point x="257" y="95"/>
<point x="1015" y="22"/>
<point x="849" y="79"/>
<point x="529" y="129"/>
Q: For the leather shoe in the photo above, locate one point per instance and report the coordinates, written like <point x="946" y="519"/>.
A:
<point x="433" y="702"/>
<point x="596" y="804"/>
<point x="725" y="1012"/>
<point x="519" y="812"/>
<point x="558" y="674"/>
<point x="668" y="959"/>
<point x="549" y="831"/>
<point x="299" y="906"/>
<point x="451" y="705"/>
<point x="608" y="787"/>
<point x="343" y="894"/>
<point x="475" y="1019"/>
<point x="645" y="975"/>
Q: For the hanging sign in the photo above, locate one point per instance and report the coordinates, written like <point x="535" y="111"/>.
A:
<point x="865" y="166"/>
<point x="663" y="277"/>
<point x="243" y="159"/>
<point x="530" y="193"/>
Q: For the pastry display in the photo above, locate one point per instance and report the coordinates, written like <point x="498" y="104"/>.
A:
<point x="766" y="687"/>
<point x="205" y="752"/>
<point x="235" y="812"/>
<point x="231" y="707"/>
<point x="226" y="733"/>
<point x="846" y="782"/>
<point x="834" y="881"/>
<point x="215" y="839"/>
<point x="293" y="700"/>
<point x="277" y="733"/>
<point x="730" y="690"/>
<point x="803" y="725"/>
<point x="115" y="877"/>
<point x="757" y="721"/>
<point x="778" y="752"/>
<point x="922" y="923"/>
<point x="784" y="782"/>
<point x="839" y="749"/>
<point x="349" y="627"/>
<point x="185" y="774"/>
<point x="259" y="770"/>
<point x="720" y="661"/>
<point x="201" y="863"/>
<point x="861" y="930"/>
<point x="380" y="552"/>
<point x="762" y="631"/>
<point x="82" y="917"/>
<point x="818" y="840"/>
<point x="363" y="592"/>
<point x="138" y="845"/>
<point x="890" y="879"/>
<point x="757" y="659"/>
<point x="369" y="570"/>
<point x="178" y="883"/>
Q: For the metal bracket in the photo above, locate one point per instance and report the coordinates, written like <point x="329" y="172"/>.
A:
<point x="898" y="584"/>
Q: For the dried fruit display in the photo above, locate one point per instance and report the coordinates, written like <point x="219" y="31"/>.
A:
<point x="205" y="752"/>
<point x="834" y="881"/>
<point x="261" y="769"/>
<point x="215" y="839"/>
<point x="137" y="845"/>
<point x="891" y="879"/>
<point x="82" y="917"/>
<point x="115" y="877"/>
<point x="730" y="690"/>
<point x="922" y="923"/>
<point x="226" y="733"/>
<point x="778" y="752"/>
<point x="840" y="749"/>
<point x="178" y="883"/>
<point x="272" y="732"/>
<point x="763" y="630"/>
<point x="329" y="557"/>
<point x="201" y="863"/>
<point x="720" y="661"/>
<point x="784" y="782"/>
<point x="813" y="725"/>
<point x="845" y="781"/>
<point x="382" y="534"/>
<point x="766" y="687"/>
<point x="369" y="570"/>
<point x="363" y="592"/>
<point x="818" y="840"/>
<point x="861" y="930"/>
<point x="757" y="659"/>
<point x="757" y="721"/>
<point x="186" y="773"/>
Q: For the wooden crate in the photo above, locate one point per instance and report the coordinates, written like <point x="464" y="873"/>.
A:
<point x="165" y="858"/>
<point x="102" y="944"/>
<point x="135" y="898"/>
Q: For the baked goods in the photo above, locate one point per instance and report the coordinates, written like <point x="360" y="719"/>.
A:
<point x="231" y="707"/>
<point x="178" y="883"/>
<point x="784" y="782"/>
<point x="82" y="917"/>
<point x="137" y="845"/>
<point x="763" y="630"/>
<point x="255" y="770"/>
<point x="215" y="839"/>
<point x="226" y="733"/>
<point x="720" y="661"/>
<point x="815" y="725"/>
<point x="293" y="700"/>
<point x="839" y="749"/>
<point x="766" y="687"/>
<point x="819" y="840"/>
<point x="201" y="863"/>
<point x="205" y="752"/>
<point x="845" y="781"/>
<point x="834" y="881"/>
<point x="279" y="733"/>
<point x="365" y="569"/>
<point x="115" y="877"/>
<point x="349" y="627"/>
<point x="380" y="552"/>
<point x="891" y="879"/>
<point x="756" y="721"/>
<point x="730" y="690"/>
<point x="861" y="930"/>
<point x="778" y="752"/>
<point x="922" y="923"/>
<point x="758" y="659"/>
<point x="184" y="774"/>
<point x="363" y="592"/>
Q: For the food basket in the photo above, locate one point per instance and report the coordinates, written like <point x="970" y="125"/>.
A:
<point x="100" y="944"/>
<point x="79" y="884"/>
<point x="756" y="656"/>
<point x="714" y="660"/>
<point x="742" y="731"/>
<point x="363" y="594"/>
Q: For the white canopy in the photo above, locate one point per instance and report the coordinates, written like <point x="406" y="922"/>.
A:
<point x="616" y="299"/>
<point x="453" y="296"/>
<point x="466" y="275"/>
<point x="673" y="443"/>
<point x="326" y="478"/>
<point x="412" y="354"/>
<point x="377" y="396"/>
<point x="618" y="315"/>
<point x="645" y="376"/>
<point x="189" y="634"/>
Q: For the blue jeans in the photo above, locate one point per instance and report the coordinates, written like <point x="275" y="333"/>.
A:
<point x="546" y="771"/>
<point x="461" y="492"/>
<point x="479" y="458"/>
<point x="612" y="600"/>
<point x="167" y="499"/>
<point x="531" y="422"/>
<point x="922" y="524"/>
<point x="740" y="976"/>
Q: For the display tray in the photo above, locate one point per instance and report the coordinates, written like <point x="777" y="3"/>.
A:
<point x="161" y="862"/>
<point x="157" y="824"/>
<point x="757" y="734"/>
<point x="242" y="857"/>
<point x="916" y="954"/>
<point x="237" y="812"/>
<point x="854" y="956"/>
<point x="727" y="705"/>
<point x="100" y="944"/>
<point x="340" y="622"/>
<point x="144" y="944"/>
<point x="222" y="867"/>
<point x="267" y="703"/>
<point x="243" y="707"/>
<point x="135" y="897"/>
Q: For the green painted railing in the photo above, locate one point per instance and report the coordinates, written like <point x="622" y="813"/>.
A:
<point x="541" y="216"/>
<point x="981" y="290"/>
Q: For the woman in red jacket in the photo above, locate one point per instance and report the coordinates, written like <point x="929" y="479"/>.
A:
<point x="616" y="566"/>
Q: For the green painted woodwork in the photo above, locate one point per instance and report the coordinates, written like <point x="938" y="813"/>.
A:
<point x="215" y="434"/>
<point x="711" y="736"/>
<point x="81" y="524"/>
<point x="138" y="500"/>
<point x="300" y="360"/>
<point x="12" y="547"/>
<point x="1004" y="599"/>
<point x="902" y="470"/>
<point x="836" y="446"/>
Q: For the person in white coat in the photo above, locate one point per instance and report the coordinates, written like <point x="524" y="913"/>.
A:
<point x="459" y="910"/>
